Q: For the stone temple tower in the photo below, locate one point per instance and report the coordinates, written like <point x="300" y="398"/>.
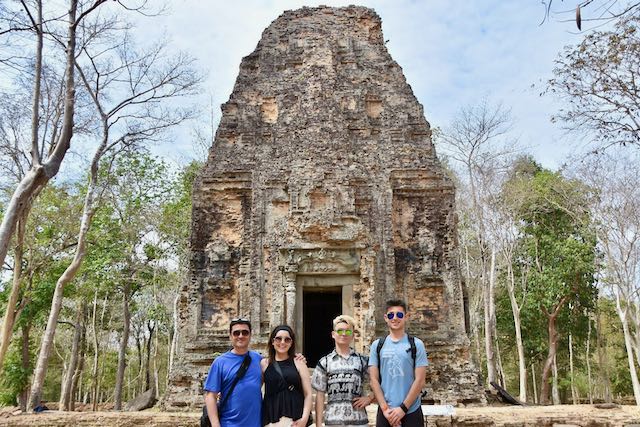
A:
<point x="323" y="195"/>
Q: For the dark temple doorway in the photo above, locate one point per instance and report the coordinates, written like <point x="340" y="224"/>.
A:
<point x="319" y="307"/>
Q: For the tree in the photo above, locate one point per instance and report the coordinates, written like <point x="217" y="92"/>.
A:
<point x="131" y="90"/>
<point x="505" y="227"/>
<point x="471" y="140"/>
<point x="138" y="188"/>
<point x="45" y="160"/>
<point x="617" y="212"/>
<point x="598" y="81"/>
<point x="50" y="236"/>
<point x="558" y="245"/>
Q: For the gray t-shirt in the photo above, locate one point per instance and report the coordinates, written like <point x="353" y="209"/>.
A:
<point x="396" y="368"/>
<point x="341" y="379"/>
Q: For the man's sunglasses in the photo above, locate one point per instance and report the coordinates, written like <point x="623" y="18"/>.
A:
<point x="347" y="332"/>
<point x="243" y="332"/>
<point x="287" y="340"/>
<point x="397" y="314"/>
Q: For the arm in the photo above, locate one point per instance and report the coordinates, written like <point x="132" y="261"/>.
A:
<point x="319" y="408"/>
<point x="367" y="397"/>
<point x="374" y="381"/>
<point x="211" y="402"/>
<point x="308" y="397"/>
<point x="416" y="387"/>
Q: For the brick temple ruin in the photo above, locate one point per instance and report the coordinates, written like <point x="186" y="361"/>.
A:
<point x="323" y="195"/>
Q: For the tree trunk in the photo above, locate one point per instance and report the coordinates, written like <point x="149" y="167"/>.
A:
<point x="490" y="321"/>
<point x="515" y="310"/>
<point x="623" y="315"/>
<point x="574" y="391"/>
<point x="553" y="345"/>
<point x="588" y="359"/>
<point x="147" y="376"/>
<point x="94" y="370"/>
<point x="533" y="382"/>
<point x="555" y="394"/>
<point x="67" y="381"/>
<point x="23" y="397"/>
<point x="10" y="312"/>
<point x="635" y="316"/>
<point x="501" y="374"/>
<point x="122" y="353"/>
<point x="80" y="367"/>
<point x="174" y="339"/>
<point x="602" y="362"/>
<point x="140" y="376"/>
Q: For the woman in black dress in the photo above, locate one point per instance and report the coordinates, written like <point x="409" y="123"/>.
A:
<point x="287" y="384"/>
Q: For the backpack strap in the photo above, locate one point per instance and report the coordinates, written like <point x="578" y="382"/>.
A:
<point x="378" y="350"/>
<point x="412" y="349"/>
<point x="239" y="374"/>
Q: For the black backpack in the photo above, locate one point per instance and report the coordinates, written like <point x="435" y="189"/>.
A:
<point x="204" y="419"/>
<point x="412" y="349"/>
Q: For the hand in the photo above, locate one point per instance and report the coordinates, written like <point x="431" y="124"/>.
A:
<point x="394" y="415"/>
<point x="361" y="402"/>
<point x="302" y="422"/>
<point x="300" y="358"/>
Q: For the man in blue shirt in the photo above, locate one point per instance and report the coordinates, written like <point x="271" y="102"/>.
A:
<point x="242" y="407"/>
<point x="396" y="380"/>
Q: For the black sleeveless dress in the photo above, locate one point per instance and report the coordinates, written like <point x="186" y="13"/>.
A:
<point x="282" y="398"/>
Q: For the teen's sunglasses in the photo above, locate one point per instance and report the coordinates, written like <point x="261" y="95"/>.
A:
<point x="347" y="332"/>
<point x="392" y="314"/>
<point x="243" y="332"/>
<point x="287" y="340"/>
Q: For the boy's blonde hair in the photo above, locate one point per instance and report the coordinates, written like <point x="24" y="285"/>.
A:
<point x="344" y="318"/>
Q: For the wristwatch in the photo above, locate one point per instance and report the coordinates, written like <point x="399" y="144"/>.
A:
<point x="404" y="407"/>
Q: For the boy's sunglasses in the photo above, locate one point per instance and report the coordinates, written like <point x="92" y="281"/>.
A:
<point x="238" y="332"/>
<point x="347" y="332"/>
<point x="397" y="314"/>
<point x="287" y="340"/>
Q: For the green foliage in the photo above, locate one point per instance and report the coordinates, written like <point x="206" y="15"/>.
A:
<point x="558" y="245"/>
<point x="15" y="377"/>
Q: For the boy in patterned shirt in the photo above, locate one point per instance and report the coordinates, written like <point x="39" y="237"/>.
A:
<point x="339" y="380"/>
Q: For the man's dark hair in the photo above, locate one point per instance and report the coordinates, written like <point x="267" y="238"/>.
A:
<point x="396" y="303"/>
<point x="239" y="321"/>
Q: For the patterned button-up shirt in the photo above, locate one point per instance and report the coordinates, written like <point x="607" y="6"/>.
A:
<point x="342" y="379"/>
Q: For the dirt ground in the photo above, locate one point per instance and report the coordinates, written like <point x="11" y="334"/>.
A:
<point x="504" y="416"/>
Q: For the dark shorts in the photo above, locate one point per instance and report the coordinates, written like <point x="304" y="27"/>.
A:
<point x="412" y="419"/>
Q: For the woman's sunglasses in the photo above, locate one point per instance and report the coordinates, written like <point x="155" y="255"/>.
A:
<point x="347" y="332"/>
<point x="397" y="314"/>
<point x="287" y="340"/>
<point x="243" y="332"/>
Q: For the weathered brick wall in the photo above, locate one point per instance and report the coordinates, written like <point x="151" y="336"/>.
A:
<point x="323" y="166"/>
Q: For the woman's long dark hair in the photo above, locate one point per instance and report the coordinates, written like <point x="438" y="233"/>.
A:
<point x="272" y="350"/>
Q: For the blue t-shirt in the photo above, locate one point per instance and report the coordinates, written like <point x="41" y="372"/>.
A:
<point x="396" y="369"/>
<point x="243" y="407"/>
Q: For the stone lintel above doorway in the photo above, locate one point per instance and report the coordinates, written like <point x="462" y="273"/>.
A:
<point x="320" y="260"/>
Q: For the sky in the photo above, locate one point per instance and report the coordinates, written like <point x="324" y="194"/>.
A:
<point x="454" y="54"/>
